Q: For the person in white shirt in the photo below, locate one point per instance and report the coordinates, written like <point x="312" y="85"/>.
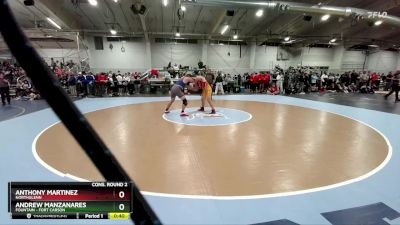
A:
<point x="176" y="67"/>
<point x="126" y="81"/>
<point x="168" y="78"/>
<point x="120" y="86"/>
<point x="279" y="83"/>
<point x="331" y="81"/>
<point x="120" y="79"/>
<point x="324" y="79"/>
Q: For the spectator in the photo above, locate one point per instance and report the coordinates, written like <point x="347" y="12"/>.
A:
<point x="136" y="82"/>
<point x="72" y="85"/>
<point x="279" y="82"/>
<point x="210" y="78"/>
<point x="314" y="79"/>
<point x="120" y="79"/>
<point x="388" y="81"/>
<point x="125" y="82"/>
<point x="247" y="81"/>
<point x="101" y="84"/>
<point x="219" y="85"/>
<point x="82" y="84"/>
<point x="114" y="85"/>
<point x="374" y="81"/>
<point x="273" y="90"/>
<point x="324" y="79"/>
<point x="364" y="79"/>
<point x="4" y="90"/>
<point x="354" y="77"/>
<point x="230" y="83"/>
<point x="253" y="83"/>
<point x="91" y="83"/>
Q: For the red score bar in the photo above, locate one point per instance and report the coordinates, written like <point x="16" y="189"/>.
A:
<point x="112" y="194"/>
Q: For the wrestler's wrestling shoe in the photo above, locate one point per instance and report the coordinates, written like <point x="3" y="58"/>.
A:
<point x="184" y="114"/>
<point x="213" y="112"/>
<point x="201" y="109"/>
<point x="166" y="111"/>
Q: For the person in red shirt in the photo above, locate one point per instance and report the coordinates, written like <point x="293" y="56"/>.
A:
<point x="101" y="82"/>
<point x="374" y="79"/>
<point x="273" y="90"/>
<point x="154" y="73"/>
<point x="253" y="82"/>
<point x="260" y="84"/>
<point x="59" y="72"/>
<point x="267" y="79"/>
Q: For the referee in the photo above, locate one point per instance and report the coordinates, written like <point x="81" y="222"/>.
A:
<point x="395" y="86"/>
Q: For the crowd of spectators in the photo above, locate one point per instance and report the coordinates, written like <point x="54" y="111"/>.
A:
<point x="101" y="84"/>
<point x="299" y="80"/>
<point x="15" y="79"/>
<point x="304" y="80"/>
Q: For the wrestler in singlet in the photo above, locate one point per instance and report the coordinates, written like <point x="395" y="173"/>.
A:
<point x="206" y="93"/>
<point x="178" y="90"/>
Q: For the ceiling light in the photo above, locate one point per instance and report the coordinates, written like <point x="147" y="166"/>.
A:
<point x="54" y="23"/>
<point x="287" y="38"/>
<point x="259" y="13"/>
<point x="115" y="1"/>
<point x="289" y="41"/>
<point x="177" y="34"/>
<point x="325" y="17"/>
<point x="373" y="46"/>
<point x="378" y="22"/>
<point x="333" y="40"/>
<point x="93" y="2"/>
<point x="113" y="31"/>
<point x="235" y="36"/>
<point x="165" y="2"/>
<point x="271" y="4"/>
<point x="183" y="8"/>
<point x="224" y="29"/>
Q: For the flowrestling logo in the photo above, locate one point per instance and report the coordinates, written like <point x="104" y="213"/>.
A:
<point x="374" y="15"/>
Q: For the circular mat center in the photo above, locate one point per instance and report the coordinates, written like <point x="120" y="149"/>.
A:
<point x="224" y="116"/>
<point x="281" y="150"/>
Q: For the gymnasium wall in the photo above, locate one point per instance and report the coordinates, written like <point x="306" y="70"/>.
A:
<point x="47" y="53"/>
<point x="383" y="61"/>
<point x="353" y="60"/>
<point x="239" y="59"/>
<point x="398" y="61"/>
<point x="58" y="54"/>
<point x="184" y="54"/>
<point x="266" y="58"/>
<point x="133" y="59"/>
<point x="229" y="58"/>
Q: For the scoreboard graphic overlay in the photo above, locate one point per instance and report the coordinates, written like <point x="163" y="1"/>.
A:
<point x="70" y="200"/>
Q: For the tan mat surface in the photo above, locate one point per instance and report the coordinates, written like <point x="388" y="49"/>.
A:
<point x="281" y="149"/>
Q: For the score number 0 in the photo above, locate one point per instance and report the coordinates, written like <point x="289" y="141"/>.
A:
<point x="121" y="206"/>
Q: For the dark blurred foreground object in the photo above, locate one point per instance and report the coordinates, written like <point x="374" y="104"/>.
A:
<point x="73" y="119"/>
